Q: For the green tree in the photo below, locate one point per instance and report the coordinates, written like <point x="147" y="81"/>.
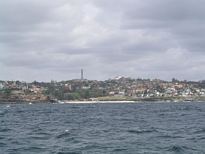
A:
<point x="7" y="92"/>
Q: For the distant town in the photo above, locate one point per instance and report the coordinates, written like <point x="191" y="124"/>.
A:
<point x="117" y="89"/>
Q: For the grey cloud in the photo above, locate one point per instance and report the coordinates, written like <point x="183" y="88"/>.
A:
<point x="168" y="10"/>
<point x="137" y="38"/>
<point x="184" y="20"/>
<point x="21" y="15"/>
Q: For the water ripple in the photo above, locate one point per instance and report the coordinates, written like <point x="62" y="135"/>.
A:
<point x="151" y="128"/>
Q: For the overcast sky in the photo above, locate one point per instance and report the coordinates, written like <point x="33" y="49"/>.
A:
<point x="53" y="39"/>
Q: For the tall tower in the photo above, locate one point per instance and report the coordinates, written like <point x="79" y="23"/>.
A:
<point x="82" y="74"/>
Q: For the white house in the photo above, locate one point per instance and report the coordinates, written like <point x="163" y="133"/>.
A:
<point x="1" y="85"/>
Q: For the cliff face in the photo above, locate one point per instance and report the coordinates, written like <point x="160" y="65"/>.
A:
<point x="20" y="96"/>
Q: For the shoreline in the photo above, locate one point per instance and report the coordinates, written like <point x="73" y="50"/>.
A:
<point x="97" y="101"/>
<point x="105" y="100"/>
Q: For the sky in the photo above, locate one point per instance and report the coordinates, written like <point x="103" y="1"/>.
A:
<point x="47" y="40"/>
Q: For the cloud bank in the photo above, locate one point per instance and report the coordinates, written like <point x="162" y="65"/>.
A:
<point x="44" y="40"/>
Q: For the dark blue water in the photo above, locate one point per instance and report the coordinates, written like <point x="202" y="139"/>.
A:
<point x="146" y="128"/>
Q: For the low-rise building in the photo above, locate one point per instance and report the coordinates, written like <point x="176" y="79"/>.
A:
<point x="1" y="85"/>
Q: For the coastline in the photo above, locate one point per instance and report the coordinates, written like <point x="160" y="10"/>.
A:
<point x="98" y="102"/>
<point x="102" y="101"/>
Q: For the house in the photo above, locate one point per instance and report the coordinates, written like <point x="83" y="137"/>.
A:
<point x="1" y="85"/>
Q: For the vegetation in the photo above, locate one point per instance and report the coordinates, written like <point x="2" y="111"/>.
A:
<point x="112" y="89"/>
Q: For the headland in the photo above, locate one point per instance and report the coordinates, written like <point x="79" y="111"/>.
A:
<point x="117" y="89"/>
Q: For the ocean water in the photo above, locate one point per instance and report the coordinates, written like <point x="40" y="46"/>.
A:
<point x="140" y="128"/>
